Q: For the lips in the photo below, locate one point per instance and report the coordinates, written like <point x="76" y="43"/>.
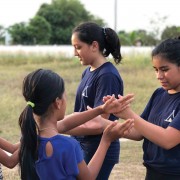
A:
<point x="164" y="83"/>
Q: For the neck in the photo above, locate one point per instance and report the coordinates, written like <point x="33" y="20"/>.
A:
<point x="97" y="64"/>
<point x="48" y="129"/>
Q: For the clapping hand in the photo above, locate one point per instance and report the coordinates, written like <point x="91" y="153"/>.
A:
<point x="115" y="106"/>
<point x="116" y="130"/>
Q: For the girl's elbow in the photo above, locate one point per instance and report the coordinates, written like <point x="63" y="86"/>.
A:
<point x="168" y="146"/>
<point x="10" y="165"/>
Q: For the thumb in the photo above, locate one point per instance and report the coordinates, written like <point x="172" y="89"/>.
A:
<point x="89" y="108"/>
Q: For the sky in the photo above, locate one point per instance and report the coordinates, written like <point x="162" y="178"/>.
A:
<point x="131" y="14"/>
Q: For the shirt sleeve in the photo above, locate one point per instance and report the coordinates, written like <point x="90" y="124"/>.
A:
<point x="74" y="157"/>
<point x="146" y="112"/>
<point x="107" y="84"/>
<point x="176" y="121"/>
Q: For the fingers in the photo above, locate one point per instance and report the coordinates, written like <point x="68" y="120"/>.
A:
<point x="122" y="129"/>
<point x="110" y="99"/>
<point x="117" y="130"/>
<point x="109" y="105"/>
<point x="105" y="98"/>
<point x="121" y="103"/>
<point x="121" y="98"/>
<point x="125" y="127"/>
<point x="110" y="127"/>
<point x="130" y="124"/>
<point x="126" y="99"/>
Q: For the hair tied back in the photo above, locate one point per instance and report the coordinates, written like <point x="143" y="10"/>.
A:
<point x="104" y="31"/>
<point x="31" y="104"/>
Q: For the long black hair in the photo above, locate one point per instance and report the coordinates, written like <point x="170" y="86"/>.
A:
<point x="40" y="89"/>
<point x="107" y="38"/>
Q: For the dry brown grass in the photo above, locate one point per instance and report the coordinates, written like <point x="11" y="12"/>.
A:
<point x="138" y="78"/>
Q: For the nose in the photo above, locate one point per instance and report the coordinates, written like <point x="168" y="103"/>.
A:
<point x="75" y="52"/>
<point x="159" y="75"/>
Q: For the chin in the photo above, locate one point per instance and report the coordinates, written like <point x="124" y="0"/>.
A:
<point x="166" y="88"/>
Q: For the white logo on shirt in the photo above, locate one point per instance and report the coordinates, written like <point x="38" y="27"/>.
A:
<point x="170" y="117"/>
<point x="84" y="93"/>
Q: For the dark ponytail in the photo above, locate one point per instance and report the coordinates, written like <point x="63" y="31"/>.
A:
<point x="112" y="45"/>
<point x="28" y="150"/>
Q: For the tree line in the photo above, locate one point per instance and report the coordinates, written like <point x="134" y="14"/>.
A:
<point x="53" y="24"/>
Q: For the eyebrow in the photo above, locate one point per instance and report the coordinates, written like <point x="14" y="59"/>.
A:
<point x="161" y="67"/>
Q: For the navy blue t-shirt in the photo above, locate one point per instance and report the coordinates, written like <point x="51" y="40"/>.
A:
<point x="163" y="110"/>
<point x="103" y="81"/>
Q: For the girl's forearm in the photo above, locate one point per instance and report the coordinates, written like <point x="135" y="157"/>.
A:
<point x="93" y="127"/>
<point x="7" y="146"/>
<point x="76" y="119"/>
<point x="84" y="130"/>
<point x="166" y="138"/>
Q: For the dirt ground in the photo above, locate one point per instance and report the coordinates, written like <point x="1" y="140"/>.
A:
<point x="124" y="171"/>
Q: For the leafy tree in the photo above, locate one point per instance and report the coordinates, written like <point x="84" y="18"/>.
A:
<point x="20" y="34"/>
<point x="63" y="16"/>
<point x="52" y="24"/>
<point x="124" y="38"/>
<point x="39" y="30"/>
<point x="146" y="38"/>
<point x="130" y="39"/>
<point x="170" y="32"/>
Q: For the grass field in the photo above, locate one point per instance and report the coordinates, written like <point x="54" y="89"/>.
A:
<point x="136" y="71"/>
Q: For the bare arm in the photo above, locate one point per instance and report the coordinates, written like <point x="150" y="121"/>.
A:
<point x="134" y="135"/>
<point x="93" y="127"/>
<point x="7" y="146"/>
<point x="9" y="161"/>
<point x="76" y="119"/>
<point x="166" y="138"/>
<point x="97" y="126"/>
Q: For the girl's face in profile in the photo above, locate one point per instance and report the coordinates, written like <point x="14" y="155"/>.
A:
<point x="167" y="73"/>
<point x="83" y="51"/>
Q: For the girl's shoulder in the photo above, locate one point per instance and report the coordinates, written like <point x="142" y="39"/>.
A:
<point x="108" y="68"/>
<point x="162" y="94"/>
<point x="159" y="90"/>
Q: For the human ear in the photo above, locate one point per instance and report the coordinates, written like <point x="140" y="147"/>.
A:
<point x="58" y="103"/>
<point x="95" y="45"/>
